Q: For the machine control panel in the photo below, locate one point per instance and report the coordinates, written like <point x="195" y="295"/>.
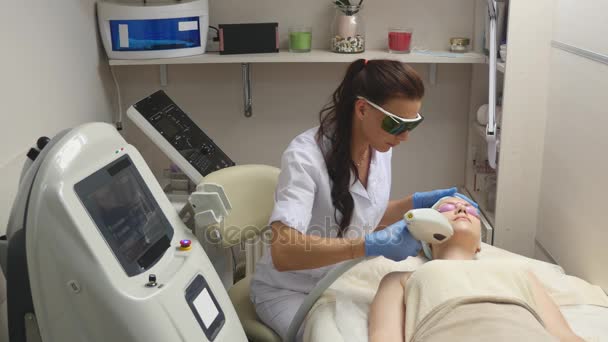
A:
<point x="182" y="133"/>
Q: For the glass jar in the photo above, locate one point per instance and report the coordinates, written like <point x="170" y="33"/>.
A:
<point x="300" y="38"/>
<point x="459" y="44"/>
<point x="399" y="39"/>
<point x="348" y="30"/>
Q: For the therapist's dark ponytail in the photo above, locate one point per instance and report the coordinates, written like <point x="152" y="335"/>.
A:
<point x="378" y="81"/>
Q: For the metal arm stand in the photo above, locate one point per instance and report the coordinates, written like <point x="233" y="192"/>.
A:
<point x="247" y="98"/>
<point x="491" y="138"/>
<point x="210" y="206"/>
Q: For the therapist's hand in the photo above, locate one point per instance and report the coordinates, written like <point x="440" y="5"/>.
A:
<point x="429" y="198"/>
<point x="393" y="242"/>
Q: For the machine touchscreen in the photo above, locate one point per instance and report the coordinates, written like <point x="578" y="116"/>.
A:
<point x="126" y="214"/>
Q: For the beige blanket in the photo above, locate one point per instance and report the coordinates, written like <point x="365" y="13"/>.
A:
<point x="481" y="322"/>
<point x="440" y="286"/>
<point x="348" y="299"/>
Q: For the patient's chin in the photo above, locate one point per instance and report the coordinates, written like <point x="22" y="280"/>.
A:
<point x="462" y="225"/>
<point x="465" y="227"/>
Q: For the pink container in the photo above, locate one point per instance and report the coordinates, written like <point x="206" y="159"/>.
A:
<point x="399" y="40"/>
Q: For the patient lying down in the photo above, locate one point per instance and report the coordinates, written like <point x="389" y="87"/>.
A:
<point x="457" y="298"/>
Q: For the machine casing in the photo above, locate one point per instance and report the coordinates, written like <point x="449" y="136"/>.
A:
<point x="80" y="291"/>
<point x="157" y="30"/>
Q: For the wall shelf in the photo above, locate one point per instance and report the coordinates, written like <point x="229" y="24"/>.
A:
<point x="315" y="56"/>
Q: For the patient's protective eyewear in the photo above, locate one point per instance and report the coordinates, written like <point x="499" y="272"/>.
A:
<point x="395" y="124"/>
<point x="471" y="210"/>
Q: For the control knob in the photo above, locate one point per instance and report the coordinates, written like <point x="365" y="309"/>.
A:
<point x="151" y="281"/>
<point x="206" y="149"/>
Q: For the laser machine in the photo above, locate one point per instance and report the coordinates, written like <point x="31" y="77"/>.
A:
<point x="96" y="252"/>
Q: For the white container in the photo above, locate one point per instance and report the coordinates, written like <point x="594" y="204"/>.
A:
<point x="159" y="30"/>
<point x="503" y="55"/>
<point x="503" y="52"/>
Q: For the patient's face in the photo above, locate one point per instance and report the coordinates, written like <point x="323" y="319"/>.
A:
<point x="463" y="217"/>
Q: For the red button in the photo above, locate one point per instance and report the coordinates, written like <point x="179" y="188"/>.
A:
<point x="185" y="243"/>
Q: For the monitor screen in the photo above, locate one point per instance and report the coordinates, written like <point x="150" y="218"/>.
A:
<point x="126" y="214"/>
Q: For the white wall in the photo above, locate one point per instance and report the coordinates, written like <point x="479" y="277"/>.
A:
<point x="572" y="217"/>
<point x="287" y="97"/>
<point x="54" y="76"/>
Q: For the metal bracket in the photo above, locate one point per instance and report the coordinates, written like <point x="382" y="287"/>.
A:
<point x="247" y="98"/>
<point x="433" y="74"/>
<point x="491" y="134"/>
<point x="163" y="75"/>
<point x="119" y="116"/>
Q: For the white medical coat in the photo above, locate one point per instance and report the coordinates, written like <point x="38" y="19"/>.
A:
<point x="303" y="202"/>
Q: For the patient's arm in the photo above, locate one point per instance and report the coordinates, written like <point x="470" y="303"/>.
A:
<point x="387" y="312"/>
<point x="555" y="323"/>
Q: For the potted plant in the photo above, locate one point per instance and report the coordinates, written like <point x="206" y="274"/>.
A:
<point x="348" y="28"/>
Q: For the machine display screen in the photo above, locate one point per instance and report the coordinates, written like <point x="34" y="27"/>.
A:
<point x="206" y="308"/>
<point x="126" y="214"/>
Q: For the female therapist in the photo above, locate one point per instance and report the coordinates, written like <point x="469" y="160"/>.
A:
<point x="332" y="198"/>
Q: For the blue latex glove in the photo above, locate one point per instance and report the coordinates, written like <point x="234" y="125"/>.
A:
<point x="393" y="242"/>
<point x="429" y="198"/>
<point x="461" y="196"/>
